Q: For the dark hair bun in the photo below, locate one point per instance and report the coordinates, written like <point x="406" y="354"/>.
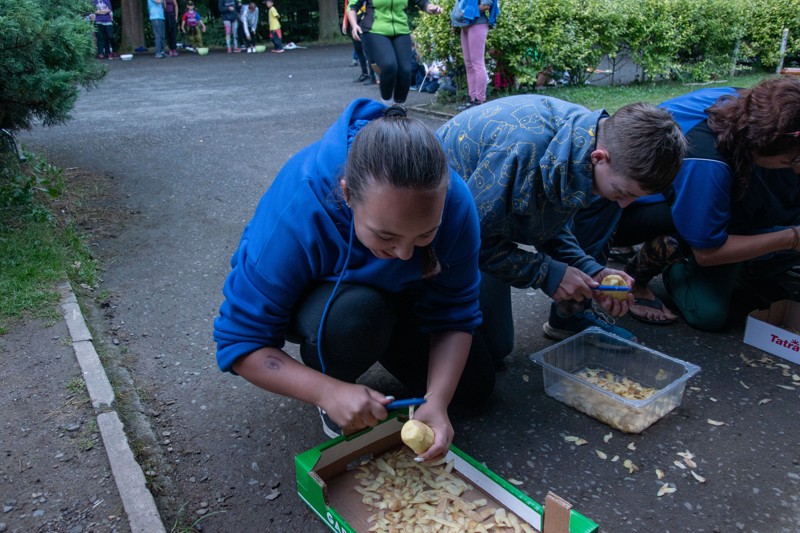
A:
<point x="395" y="110"/>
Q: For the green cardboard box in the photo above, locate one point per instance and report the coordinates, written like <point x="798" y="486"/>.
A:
<point x="322" y="483"/>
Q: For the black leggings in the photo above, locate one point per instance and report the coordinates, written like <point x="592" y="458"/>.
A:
<point x="365" y="325"/>
<point x="393" y="57"/>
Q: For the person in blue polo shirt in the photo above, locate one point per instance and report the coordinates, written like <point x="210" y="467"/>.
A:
<point x="731" y="219"/>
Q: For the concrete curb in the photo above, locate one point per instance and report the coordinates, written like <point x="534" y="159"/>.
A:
<point x="143" y="515"/>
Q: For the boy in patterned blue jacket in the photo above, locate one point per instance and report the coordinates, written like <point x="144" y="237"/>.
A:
<point x="531" y="163"/>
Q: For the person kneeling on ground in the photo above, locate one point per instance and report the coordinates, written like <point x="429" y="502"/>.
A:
<point x="531" y="163"/>
<point x="363" y="250"/>
<point x="729" y="224"/>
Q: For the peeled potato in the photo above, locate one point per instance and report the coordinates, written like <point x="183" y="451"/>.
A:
<point x="417" y="436"/>
<point x="615" y="281"/>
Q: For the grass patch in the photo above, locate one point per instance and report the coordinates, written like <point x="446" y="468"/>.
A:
<point x="76" y="385"/>
<point x="40" y="247"/>
<point x="611" y="98"/>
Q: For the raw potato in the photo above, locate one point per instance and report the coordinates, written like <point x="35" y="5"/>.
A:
<point x="615" y="281"/>
<point x="417" y="436"/>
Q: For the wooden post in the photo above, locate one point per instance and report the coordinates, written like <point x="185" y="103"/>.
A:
<point x="784" y="39"/>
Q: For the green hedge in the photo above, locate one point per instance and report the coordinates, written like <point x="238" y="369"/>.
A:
<point x="688" y="40"/>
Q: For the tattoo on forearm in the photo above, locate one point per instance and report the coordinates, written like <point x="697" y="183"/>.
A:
<point x="273" y="363"/>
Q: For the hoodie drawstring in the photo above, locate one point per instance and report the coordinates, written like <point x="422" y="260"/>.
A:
<point x="330" y="299"/>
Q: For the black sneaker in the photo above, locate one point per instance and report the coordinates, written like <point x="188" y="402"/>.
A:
<point x="559" y="328"/>
<point x="370" y="81"/>
<point x="361" y="78"/>
<point x="329" y="426"/>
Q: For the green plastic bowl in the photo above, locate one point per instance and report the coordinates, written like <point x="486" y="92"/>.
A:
<point x="261" y="48"/>
<point x="202" y="51"/>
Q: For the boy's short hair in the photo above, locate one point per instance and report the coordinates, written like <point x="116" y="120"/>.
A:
<point x="189" y="3"/>
<point x="645" y="144"/>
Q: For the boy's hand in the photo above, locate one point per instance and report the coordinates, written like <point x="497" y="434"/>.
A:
<point x="575" y="285"/>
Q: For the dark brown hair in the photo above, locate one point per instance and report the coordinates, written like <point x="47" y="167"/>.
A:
<point x="756" y="124"/>
<point x="645" y="144"/>
<point x="403" y="153"/>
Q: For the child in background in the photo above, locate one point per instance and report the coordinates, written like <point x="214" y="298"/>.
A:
<point x="249" y="18"/>
<point x="104" y="29"/>
<point x="230" y="18"/>
<point x="275" y="27"/>
<point x="192" y="20"/>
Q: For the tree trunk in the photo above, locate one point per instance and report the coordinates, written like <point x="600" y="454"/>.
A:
<point x="132" y="25"/>
<point x="330" y="26"/>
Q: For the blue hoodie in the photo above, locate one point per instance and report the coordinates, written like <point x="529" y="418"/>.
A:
<point x="299" y="235"/>
<point x="527" y="162"/>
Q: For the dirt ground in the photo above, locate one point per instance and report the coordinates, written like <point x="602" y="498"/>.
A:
<point x="188" y="146"/>
<point x="54" y="472"/>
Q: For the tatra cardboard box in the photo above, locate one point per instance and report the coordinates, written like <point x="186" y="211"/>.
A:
<point x="341" y="480"/>
<point x="776" y="330"/>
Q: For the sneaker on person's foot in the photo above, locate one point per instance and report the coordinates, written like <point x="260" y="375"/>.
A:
<point x="559" y="328"/>
<point x="100" y="56"/>
<point x="230" y="51"/>
<point x="363" y="77"/>
<point x="329" y="426"/>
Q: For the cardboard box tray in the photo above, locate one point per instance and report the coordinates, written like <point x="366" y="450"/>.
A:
<point x="326" y="482"/>
<point x="776" y="330"/>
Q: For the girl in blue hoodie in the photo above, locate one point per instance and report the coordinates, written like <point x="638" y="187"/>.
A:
<point x="363" y="250"/>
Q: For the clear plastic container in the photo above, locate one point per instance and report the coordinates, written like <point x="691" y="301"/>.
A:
<point x="661" y="377"/>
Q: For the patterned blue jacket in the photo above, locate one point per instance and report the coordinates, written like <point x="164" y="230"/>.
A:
<point x="527" y="162"/>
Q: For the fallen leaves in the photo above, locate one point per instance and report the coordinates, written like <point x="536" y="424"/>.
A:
<point x="630" y="466"/>
<point x="698" y="477"/>
<point x="666" y="488"/>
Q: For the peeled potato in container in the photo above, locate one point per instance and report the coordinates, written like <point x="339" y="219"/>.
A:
<point x="417" y="436"/>
<point x="615" y="281"/>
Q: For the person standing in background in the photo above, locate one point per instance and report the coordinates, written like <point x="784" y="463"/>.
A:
<point x="249" y="18"/>
<point x="275" y="27"/>
<point x="104" y="29"/>
<point x="474" y="18"/>
<point x="387" y="41"/>
<point x="194" y="23"/>
<point x="171" y="26"/>
<point x="156" y="10"/>
<point x="230" y="19"/>
<point x="367" y="77"/>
